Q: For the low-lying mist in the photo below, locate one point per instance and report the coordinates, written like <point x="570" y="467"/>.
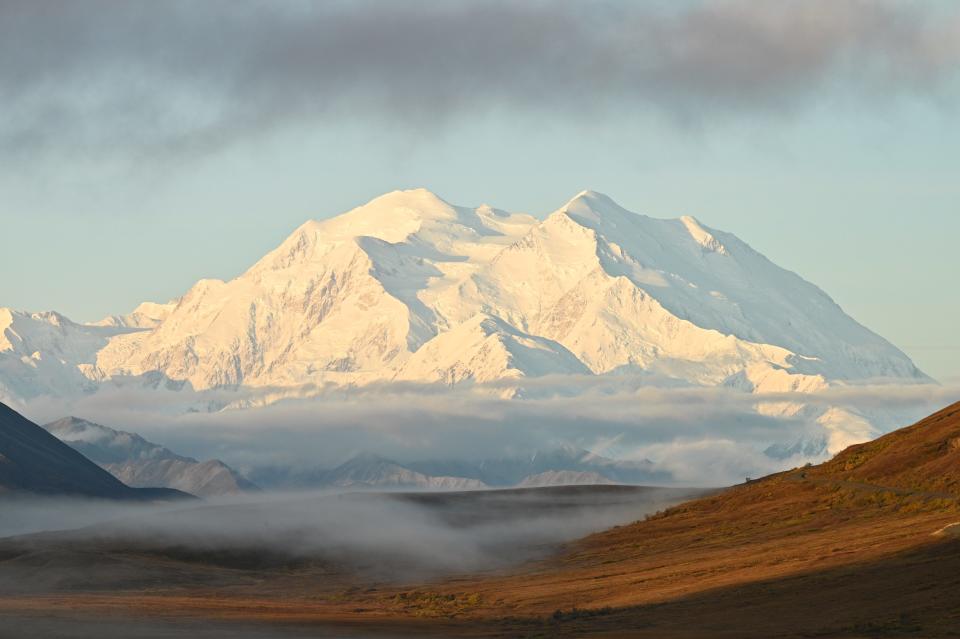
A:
<point x="347" y="536"/>
<point x="696" y="435"/>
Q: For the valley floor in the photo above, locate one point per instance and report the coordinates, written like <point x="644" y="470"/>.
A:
<point x="788" y="556"/>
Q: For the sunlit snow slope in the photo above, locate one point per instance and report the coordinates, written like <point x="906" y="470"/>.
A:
<point x="411" y="288"/>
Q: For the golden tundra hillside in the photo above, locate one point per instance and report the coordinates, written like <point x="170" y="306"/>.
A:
<point x="864" y="545"/>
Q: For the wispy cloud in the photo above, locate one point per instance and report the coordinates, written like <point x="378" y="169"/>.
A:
<point x="681" y="428"/>
<point x="380" y="537"/>
<point x="191" y="77"/>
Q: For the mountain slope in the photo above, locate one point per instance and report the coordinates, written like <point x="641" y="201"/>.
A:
<point x="105" y="445"/>
<point x="352" y="298"/>
<point x="140" y="463"/>
<point x="146" y="315"/>
<point x="924" y="457"/>
<point x="208" y="478"/>
<point x="624" y="290"/>
<point x="32" y="460"/>
<point x="47" y="354"/>
<point x="484" y="348"/>
<point x="339" y="300"/>
<point x="864" y="545"/>
<point x="411" y="288"/>
<point x="717" y="282"/>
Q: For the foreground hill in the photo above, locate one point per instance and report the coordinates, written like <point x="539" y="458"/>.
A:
<point x="140" y="463"/>
<point x="34" y="461"/>
<point x="860" y="546"/>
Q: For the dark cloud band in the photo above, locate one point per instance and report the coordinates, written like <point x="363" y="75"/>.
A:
<point x="193" y="76"/>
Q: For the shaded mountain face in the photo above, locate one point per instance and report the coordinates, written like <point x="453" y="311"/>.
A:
<point x="140" y="463"/>
<point x="34" y="461"/>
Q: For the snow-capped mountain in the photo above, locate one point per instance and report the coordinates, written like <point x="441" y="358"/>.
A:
<point x="47" y="354"/>
<point x="146" y="315"/>
<point x="140" y="463"/>
<point x="411" y="288"/>
<point x="485" y="348"/>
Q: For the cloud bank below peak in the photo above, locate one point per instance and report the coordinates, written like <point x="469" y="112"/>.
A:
<point x="194" y="77"/>
<point x="698" y="435"/>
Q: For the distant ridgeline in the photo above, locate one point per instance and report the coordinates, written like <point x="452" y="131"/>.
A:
<point x="34" y="461"/>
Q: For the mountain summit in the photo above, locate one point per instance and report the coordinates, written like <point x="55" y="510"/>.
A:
<point x="409" y="287"/>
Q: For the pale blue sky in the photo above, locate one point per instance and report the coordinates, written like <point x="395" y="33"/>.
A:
<point x="856" y="191"/>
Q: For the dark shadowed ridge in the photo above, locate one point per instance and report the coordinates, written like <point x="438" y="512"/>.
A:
<point x="141" y="463"/>
<point x="34" y="461"/>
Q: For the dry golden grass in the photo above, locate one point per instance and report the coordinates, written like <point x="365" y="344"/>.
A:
<point x="842" y="549"/>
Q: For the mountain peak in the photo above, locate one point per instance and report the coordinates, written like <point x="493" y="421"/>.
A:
<point x="702" y="236"/>
<point x="391" y="217"/>
<point x="590" y="199"/>
<point x="420" y="200"/>
<point x="594" y="209"/>
<point x="145" y="316"/>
